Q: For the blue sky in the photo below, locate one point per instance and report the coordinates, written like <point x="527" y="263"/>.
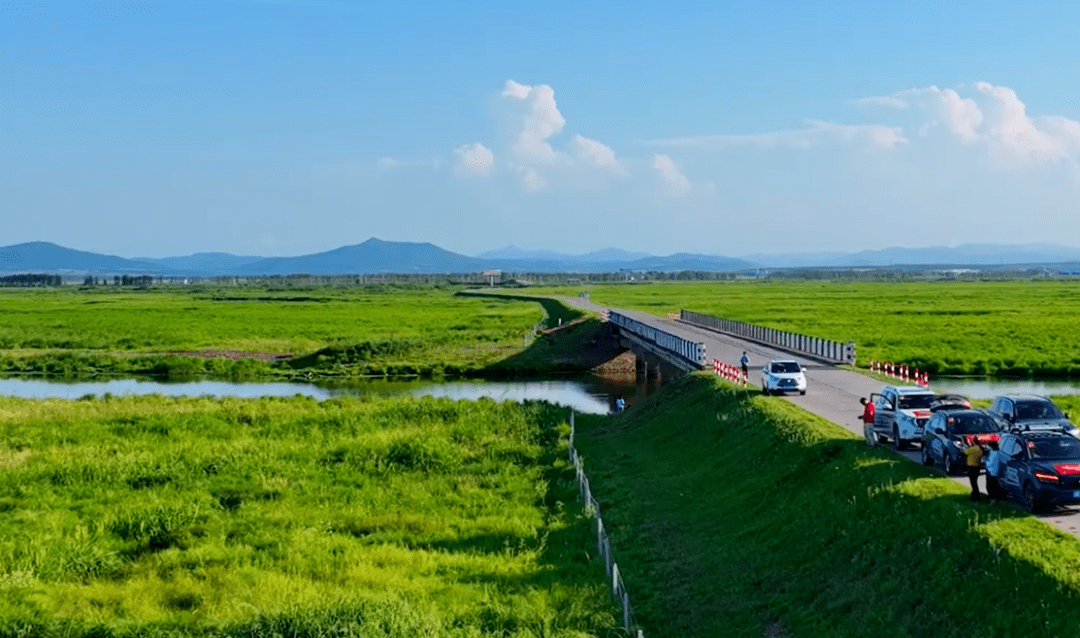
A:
<point x="290" y="127"/>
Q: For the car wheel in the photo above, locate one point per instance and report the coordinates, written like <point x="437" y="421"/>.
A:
<point x="868" y="432"/>
<point x="1030" y="500"/>
<point x="947" y="464"/>
<point x="927" y="459"/>
<point x="898" y="443"/>
<point x="802" y="392"/>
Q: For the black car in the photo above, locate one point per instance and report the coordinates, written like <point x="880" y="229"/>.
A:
<point x="949" y="432"/>
<point x="1041" y="468"/>
<point x="950" y="402"/>
<point x="1030" y="412"/>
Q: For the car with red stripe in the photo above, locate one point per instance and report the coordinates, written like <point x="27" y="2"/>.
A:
<point x="900" y="415"/>
<point x="950" y="432"/>
<point x="1041" y="468"/>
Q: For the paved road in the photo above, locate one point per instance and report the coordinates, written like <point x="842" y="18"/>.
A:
<point x="832" y="393"/>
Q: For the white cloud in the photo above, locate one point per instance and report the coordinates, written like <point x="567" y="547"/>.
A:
<point x="473" y="160"/>
<point x="540" y="122"/>
<point x="867" y="135"/>
<point x="670" y="175"/>
<point x="1012" y="131"/>
<point x="993" y="118"/>
<point x="596" y="154"/>
<point x="532" y="180"/>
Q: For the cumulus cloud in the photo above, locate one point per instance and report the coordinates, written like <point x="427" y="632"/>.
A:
<point x="473" y="160"/>
<point x="674" y="181"/>
<point x="540" y="122"/>
<point x="992" y="117"/>
<point x="598" y="154"/>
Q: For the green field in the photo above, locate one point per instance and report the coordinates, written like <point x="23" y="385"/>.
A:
<point x="327" y="331"/>
<point x="734" y="514"/>
<point x="945" y="327"/>
<point x="149" y="516"/>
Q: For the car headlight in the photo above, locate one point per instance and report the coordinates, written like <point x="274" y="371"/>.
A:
<point x="1074" y="431"/>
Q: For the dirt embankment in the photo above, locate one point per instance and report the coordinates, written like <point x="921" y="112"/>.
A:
<point x="595" y="347"/>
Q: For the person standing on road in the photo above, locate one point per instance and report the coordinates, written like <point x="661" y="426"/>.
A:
<point x="745" y="363"/>
<point x="869" y="411"/>
<point x="993" y="472"/>
<point x="973" y="453"/>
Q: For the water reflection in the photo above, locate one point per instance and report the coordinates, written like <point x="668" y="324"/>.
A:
<point x="593" y="394"/>
<point x="980" y="388"/>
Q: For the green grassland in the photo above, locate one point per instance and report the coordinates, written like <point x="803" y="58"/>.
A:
<point x="322" y="332"/>
<point x="150" y="516"/>
<point x="735" y="514"/>
<point x="946" y="327"/>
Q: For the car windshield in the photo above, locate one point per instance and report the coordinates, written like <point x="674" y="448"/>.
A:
<point x="1058" y="447"/>
<point x="785" y="366"/>
<point x="916" y="402"/>
<point x="972" y="424"/>
<point x="1035" y="410"/>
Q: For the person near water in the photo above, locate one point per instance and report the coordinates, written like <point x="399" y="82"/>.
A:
<point x="745" y="363"/>
<point x="973" y="455"/>
<point x="993" y="472"/>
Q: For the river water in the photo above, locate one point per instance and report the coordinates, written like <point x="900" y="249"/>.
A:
<point x="591" y="394"/>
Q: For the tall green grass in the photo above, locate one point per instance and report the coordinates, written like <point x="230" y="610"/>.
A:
<point x="362" y="330"/>
<point x="203" y="517"/>
<point x="733" y="514"/>
<point x="945" y="327"/>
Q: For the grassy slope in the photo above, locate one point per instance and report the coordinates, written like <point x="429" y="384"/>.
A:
<point x="200" y="517"/>
<point x="732" y="514"/>
<point x="989" y="327"/>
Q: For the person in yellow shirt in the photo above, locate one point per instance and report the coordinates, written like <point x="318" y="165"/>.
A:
<point x="973" y="454"/>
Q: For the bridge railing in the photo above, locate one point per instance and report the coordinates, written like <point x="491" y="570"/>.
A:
<point x="692" y="351"/>
<point x="832" y="351"/>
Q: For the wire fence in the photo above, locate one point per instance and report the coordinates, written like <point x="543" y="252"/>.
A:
<point x="603" y="545"/>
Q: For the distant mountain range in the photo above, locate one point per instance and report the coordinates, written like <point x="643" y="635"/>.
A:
<point x="375" y="256"/>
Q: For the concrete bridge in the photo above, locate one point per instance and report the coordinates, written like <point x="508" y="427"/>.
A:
<point x="660" y="352"/>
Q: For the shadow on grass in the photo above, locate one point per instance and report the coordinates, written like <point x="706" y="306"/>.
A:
<point x="731" y="514"/>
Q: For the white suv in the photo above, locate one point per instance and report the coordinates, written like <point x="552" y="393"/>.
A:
<point x="780" y="376"/>
<point x="900" y="415"/>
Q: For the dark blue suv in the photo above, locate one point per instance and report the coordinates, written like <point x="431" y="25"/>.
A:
<point x="950" y="432"/>
<point x="1041" y="468"/>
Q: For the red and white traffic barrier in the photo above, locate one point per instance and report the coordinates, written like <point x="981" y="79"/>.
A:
<point x="730" y="372"/>
<point x="900" y="372"/>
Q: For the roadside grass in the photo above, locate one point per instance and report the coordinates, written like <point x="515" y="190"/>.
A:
<point x="944" y="327"/>
<point x="736" y="514"/>
<point x="152" y="516"/>
<point x="326" y="332"/>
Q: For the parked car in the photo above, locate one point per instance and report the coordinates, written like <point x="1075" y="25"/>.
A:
<point x="1041" y="468"/>
<point x="949" y="432"/>
<point x="1030" y="412"/>
<point x="950" y="402"/>
<point x="779" y="376"/>
<point x="900" y="415"/>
